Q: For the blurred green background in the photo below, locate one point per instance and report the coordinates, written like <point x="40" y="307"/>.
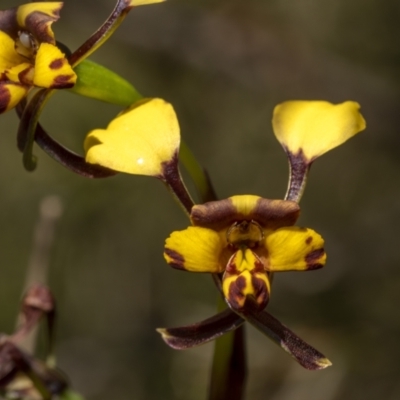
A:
<point x="224" y="65"/>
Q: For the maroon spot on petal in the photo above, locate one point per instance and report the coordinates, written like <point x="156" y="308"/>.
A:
<point x="261" y="293"/>
<point x="312" y="259"/>
<point x="57" y="64"/>
<point x="63" y="82"/>
<point x="5" y="98"/>
<point x="309" y="240"/>
<point x="178" y="261"/>
<point x="235" y="295"/>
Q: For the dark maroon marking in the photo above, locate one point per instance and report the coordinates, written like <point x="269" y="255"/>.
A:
<point x="299" y="167"/>
<point x="172" y="178"/>
<point x="261" y="293"/>
<point x="215" y="215"/>
<point x="8" y="22"/>
<point x="5" y="97"/>
<point x="37" y="24"/>
<point x="62" y="82"/>
<point x="178" y="259"/>
<point x="309" y="240"/>
<point x="235" y="292"/>
<point x="274" y="214"/>
<point x="23" y="74"/>
<point x="57" y="64"/>
<point x="313" y="258"/>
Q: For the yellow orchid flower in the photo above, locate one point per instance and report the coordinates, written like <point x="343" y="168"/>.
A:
<point x="245" y="238"/>
<point x="29" y="56"/>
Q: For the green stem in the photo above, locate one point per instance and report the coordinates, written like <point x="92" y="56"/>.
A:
<point x="197" y="174"/>
<point x="229" y="369"/>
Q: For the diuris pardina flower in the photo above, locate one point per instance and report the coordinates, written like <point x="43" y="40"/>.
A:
<point x="29" y="56"/>
<point x="245" y="238"/>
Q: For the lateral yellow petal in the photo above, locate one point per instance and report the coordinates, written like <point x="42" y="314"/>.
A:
<point x="194" y="249"/>
<point x="10" y="95"/>
<point x="138" y="141"/>
<point x="38" y="17"/>
<point x="294" y="249"/>
<point x="52" y="69"/>
<point x="315" y="127"/>
<point x="8" y="56"/>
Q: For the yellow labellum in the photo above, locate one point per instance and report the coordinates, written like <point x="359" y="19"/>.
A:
<point x="138" y="141"/>
<point x="315" y="127"/>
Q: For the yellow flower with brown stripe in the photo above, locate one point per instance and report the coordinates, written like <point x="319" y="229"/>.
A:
<point x="245" y="238"/>
<point x="29" y="56"/>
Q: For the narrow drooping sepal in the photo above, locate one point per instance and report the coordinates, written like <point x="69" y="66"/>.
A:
<point x="306" y="355"/>
<point x="189" y="336"/>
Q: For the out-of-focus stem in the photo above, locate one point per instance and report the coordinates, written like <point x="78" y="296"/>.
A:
<point x="229" y="369"/>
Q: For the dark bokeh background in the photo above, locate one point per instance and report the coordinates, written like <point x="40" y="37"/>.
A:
<point x="224" y="65"/>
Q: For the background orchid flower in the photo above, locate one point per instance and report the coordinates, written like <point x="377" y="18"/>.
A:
<point x="29" y="56"/>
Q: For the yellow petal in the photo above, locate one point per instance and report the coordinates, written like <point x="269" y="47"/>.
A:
<point x="10" y="95"/>
<point x="8" y="56"/>
<point x="139" y="141"/>
<point x="134" y="3"/>
<point x="52" y="69"/>
<point x="21" y="73"/>
<point x="38" y="17"/>
<point x="194" y="249"/>
<point x="315" y="127"/>
<point x="295" y="249"/>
